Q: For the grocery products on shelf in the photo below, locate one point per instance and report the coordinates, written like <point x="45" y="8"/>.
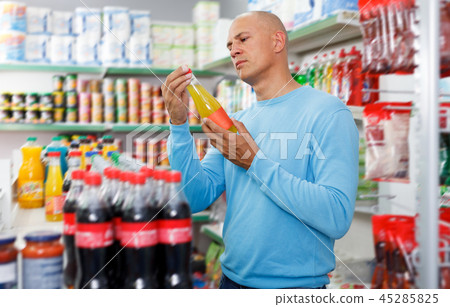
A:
<point x="235" y="95"/>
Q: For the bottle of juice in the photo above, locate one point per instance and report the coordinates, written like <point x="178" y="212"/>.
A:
<point x="85" y="146"/>
<point x="351" y="79"/>
<point x="56" y="145"/>
<point x="30" y="182"/>
<point x="311" y="73"/>
<point x="108" y="145"/>
<point x="207" y="106"/>
<point x="54" y="199"/>
<point x="338" y="70"/>
<point x="318" y="83"/>
<point x="328" y="72"/>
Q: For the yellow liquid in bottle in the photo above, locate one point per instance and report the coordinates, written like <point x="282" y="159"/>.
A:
<point x="53" y="194"/>
<point x="328" y="78"/>
<point x="207" y="105"/>
<point x="30" y="181"/>
<point x="84" y="148"/>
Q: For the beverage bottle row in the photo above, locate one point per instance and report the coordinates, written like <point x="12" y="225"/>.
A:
<point x="127" y="229"/>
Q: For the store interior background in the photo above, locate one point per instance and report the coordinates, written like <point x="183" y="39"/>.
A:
<point x="358" y="243"/>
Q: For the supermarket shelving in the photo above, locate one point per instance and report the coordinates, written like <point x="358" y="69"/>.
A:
<point x="214" y="231"/>
<point x="357" y="112"/>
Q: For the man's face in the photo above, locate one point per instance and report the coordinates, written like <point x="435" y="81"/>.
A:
<point x="250" y="48"/>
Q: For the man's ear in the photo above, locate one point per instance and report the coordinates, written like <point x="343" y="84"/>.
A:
<point x="280" y="40"/>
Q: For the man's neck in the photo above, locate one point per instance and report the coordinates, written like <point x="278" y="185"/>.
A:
<point x="272" y="87"/>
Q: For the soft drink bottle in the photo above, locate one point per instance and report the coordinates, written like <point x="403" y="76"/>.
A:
<point x="69" y="209"/>
<point x="175" y="234"/>
<point x="311" y="72"/>
<point x="338" y="70"/>
<point x="74" y="163"/>
<point x="321" y="73"/>
<point x="108" y="145"/>
<point x="139" y="238"/>
<point x="110" y="185"/>
<point x="99" y="164"/>
<point x="56" y="145"/>
<point x="85" y="146"/>
<point x="149" y="182"/>
<point x="54" y="200"/>
<point x="328" y="72"/>
<point x="74" y="146"/>
<point x="126" y="164"/>
<point x="351" y="80"/>
<point x="300" y="75"/>
<point x="207" y="106"/>
<point x="93" y="237"/>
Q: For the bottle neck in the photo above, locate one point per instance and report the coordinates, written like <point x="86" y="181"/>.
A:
<point x="194" y="80"/>
<point x="54" y="161"/>
<point x="172" y="192"/>
<point x="74" y="163"/>
<point x="91" y="197"/>
<point x="76" y="187"/>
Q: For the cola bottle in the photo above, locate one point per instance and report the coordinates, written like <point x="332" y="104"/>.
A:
<point x="110" y="185"/>
<point x="74" y="163"/>
<point x="175" y="234"/>
<point x="149" y="182"/>
<point x="93" y="237"/>
<point x="139" y="238"/>
<point x="69" y="226"/>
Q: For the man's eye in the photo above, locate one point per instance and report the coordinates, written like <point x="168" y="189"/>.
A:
<point x="243" y="39"/>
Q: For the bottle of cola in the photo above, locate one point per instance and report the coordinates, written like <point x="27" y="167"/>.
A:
<point x="149" y="182"/>
<point x="175" y="234"/>
<point x="74" y="163"/>
<point x="93" y="237"/>
<point x="139" y="238"/>
<point x="69" y="226"/>
<point x="110" y="185"/>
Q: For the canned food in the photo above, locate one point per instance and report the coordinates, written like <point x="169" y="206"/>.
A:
<point x="97" y="114"/>
<point x="146" y="90"/>
<point x="95" y="86"/>
<point x="156" y="91"/>
<point x="108" y="86"/>
<point x="84" y="114"/>
<point x="133" y="86"/>
<point x="97" y="100"/>
<point x="163" y="157"/>
<point x="158" y="117"/>
<point x="141" y="149"/>
<point x="85" y="100"/>
<point x="133" y="100"/>
<point x="31" y="100"/>
<point x="58" y="83"/>
<point x="31" y="115"/>
<point x="59" y="115"/>
<point x="46" y="116"/>
<point x="18" y="115"/>
<point x="71" y="82"/>
<point x="18" y="100"/>
<point x="121" y="100"/>
<point x="71" y="99"/>
<point x="46" y="101"/>
<point x="8" y="261"/>
<point x="58" y="99"/>
<point x="152" y="153"/>
<point x="71" y="115"/>
<point x="109" y="100"/>
<point x="82" y="85"/>
<point x="5" y="114"/>
<point x="133" y="115"/>
<point x="157" y="103"/>
<point x="108" y="114"/>
<point x="121" y="115"/>
<point x="5" y="99"/>
<point x="121" y="86"/>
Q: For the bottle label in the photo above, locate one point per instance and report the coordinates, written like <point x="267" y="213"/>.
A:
<point x="139" y="234"/>
<point x="8" y="275"/>
<point x="221" y="118"/>
<point x="69" y="224"/>
<point x="117" y="228"/>
<point x="43" y="273"/>
<point x="175" y="231"/>
<point x="90" y="235"/>
<point x="54" y="205"/>
<point x="31" y="190"/>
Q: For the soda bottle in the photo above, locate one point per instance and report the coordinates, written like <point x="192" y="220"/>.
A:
<point x="321" y="72"/>
<point x="108" y="145"/>
<point x="300" y="76"/>
<point x="207" y="106"/>
<point x="126" y="164"/>
<point x="93" y="237"/>
<point x="328" y="72"/>
<point x="74" y="146"/>
<point x="175" y="235"/>
<point x="30" y="181"/>
<point x="139" y="238"/>
<point x="88" y="159"/>
<point x="56" y="145"/>
<point x="74" y="163"/>
<point x="110" y="185"/>
<point x="85" y="146"/>
<point x="54" y="199"/>
<point x="311" y="72"/>
<point x="69" y="209"/>
<point x="351" y="79"/>
<point x="98" y="164"/>
<point x="149" y="182"/>
<point x="338" y="70"/>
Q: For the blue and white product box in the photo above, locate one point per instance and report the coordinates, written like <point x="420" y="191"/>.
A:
<point x="39" y="20"/>
<point x="12" y="46"/>
<point x="62" y="49"/>
<point x="139" y="53"/>
<point x="331" y="7"/>
<point x="140" y="22"/>
<point x="88" y="21"/>
<point x="117" y="21"/>
<point x="307" y="11"/>
<point x="37" y="48"/>
<point x="13" y="16"/>
<point x="62" y="23"/>
<point x="88" y="49"/>
<point x="114" y="52"/>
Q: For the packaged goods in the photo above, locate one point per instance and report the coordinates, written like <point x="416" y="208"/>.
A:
<point x="8" y="261"/>
<point x="114" y="52"/>
<point x="161" y="56"/>
<point x="46" y="115"/>
<point x="30" y="182"/>
<point x="162" y="34"/>
<point x="37" y="48"/>
<point x="12" y="46"/>
<point x="203" y="55"/>
<point x="204" y="35"/>
<point x="140" y="22"/>
<point x="39" y="20"/>
<point x="62" y="23"/>
<point x="183" y="35"/>
<point x="117" y="21"/>
<point x="183" y="55"/>
<point x="62" y="50"/>
<point x="206" y="12"/>
<point x="71" y="115"/>
<point x="13" y="16"/>
<point x="88" y="21"/>
<point x="54" y="200"/>
<point x="57" y="83"/>
<point x="139" y="50"/>
<point x="88" y="49"/>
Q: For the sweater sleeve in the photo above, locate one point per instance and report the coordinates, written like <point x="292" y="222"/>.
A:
<point x="203" y="181"/>
<point x="327" y="203"/>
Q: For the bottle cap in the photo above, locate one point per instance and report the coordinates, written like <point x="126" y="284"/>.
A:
<point x="342" y="53"/>
<point x="89" y="154"/>
<point x="78" y="174"/>
<point x="173" y="176"/>
<point x="56" y="138"/>
<point x="92" y="178"/>
<point x="125" y="176"/>
<point x="115" y="157"/>
<point x="53" y="154"/>
<point x="109" y="153"/>
<point x="137" y="178"/>
<point x="159" y="174"/>
<point x="147" y="171"/>
<point x="32" y="139"/>
<point x="107" y="137"/>
<point x="42" y="236"/>
<point x="112" y="172"/>
<point x="83" y="137"/>
<point x="75" y="153"/>
<point x="74" y="144"/>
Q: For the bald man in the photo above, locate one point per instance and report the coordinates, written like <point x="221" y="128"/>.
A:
<point x="290" y="174"/>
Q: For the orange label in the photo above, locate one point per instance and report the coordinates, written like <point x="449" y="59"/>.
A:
<point x="54" y="205"/>
<point x="221" y="118"/>
<point x="31" y="190"/>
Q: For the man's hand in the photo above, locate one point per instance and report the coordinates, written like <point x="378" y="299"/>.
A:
<point x="176" y="96"/>
<point x="240" y="148"/>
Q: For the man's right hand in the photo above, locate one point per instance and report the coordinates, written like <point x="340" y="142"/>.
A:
<point x="175" y="95"/>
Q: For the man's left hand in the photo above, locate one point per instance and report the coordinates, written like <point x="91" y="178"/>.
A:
<point x="240" y="148"/>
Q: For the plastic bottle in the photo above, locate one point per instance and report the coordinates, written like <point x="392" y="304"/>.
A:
<point x="139" y="238"/>
<point x="126" y="164"/>
<point x="74" y="163"/>
<point x="56" y="145"/>
<point x="69" y="209"/>
<point x="207" y="106"/>
<point x="149" y="182"/>
<point x="300" y="76"/>
<point x="108" y="145"/>
<point x="320" y="74"/>
<point x="110" y="184"/>
<point x="85" y="146"/>
<point x="54" y="200"/>
<point x="93" y="237"/>
<point x="74" y="146"/>
<point x="338" y="70"/>
<point x="311" y="72"/>
<point x="30" y="181"/>
<point x="351" y="79"/>
<point x="328" y="72"/>
<point x="88" y="159"/>
<point x="99" y="164"/>
<point x="175" y="235"/>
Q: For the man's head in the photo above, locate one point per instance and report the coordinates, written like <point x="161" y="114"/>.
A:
<point x="258" y="45"/>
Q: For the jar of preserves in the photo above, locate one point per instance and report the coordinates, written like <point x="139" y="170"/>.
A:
<point x="8" y="262"/>
<point x="42" y="265"/>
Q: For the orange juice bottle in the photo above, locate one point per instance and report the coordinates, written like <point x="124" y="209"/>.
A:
<point x="207" y="106"/>
<point x="54" y="199"/>
<point x="85" y="146"/>
<point x="30" y="182"/>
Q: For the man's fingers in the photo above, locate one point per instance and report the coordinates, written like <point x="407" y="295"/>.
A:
<point x="215" y="127"/>
<point x="242" y="130"/>
<point x="180" y="71"/>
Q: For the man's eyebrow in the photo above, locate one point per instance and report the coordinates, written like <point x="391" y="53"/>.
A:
<point x="237" y="36"/>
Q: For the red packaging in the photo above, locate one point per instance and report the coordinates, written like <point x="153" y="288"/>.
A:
<point x="351" y="79"/>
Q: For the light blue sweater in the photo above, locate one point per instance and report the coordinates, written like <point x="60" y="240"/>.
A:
<point x="297" y="197"/>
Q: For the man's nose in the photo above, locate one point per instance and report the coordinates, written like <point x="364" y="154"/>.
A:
<point x="234" y="51"/>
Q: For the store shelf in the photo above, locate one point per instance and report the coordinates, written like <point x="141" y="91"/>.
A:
<point x="201" y="217"/>
<point x="366" y="209"/>
<point x="357" y="112"/>
<point x="156" y="71"/>
<point x="335" y="29"/>
<point x="214" y="231"/>
<point x="88" y="127"/>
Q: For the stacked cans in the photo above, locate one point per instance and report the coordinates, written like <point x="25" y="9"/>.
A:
<point x="108" y="100"/>
<point x="133" y="100"/>
<point x="146" y="103"/>
<point x="158" y="114"/>
<point x="121" y="101"/>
